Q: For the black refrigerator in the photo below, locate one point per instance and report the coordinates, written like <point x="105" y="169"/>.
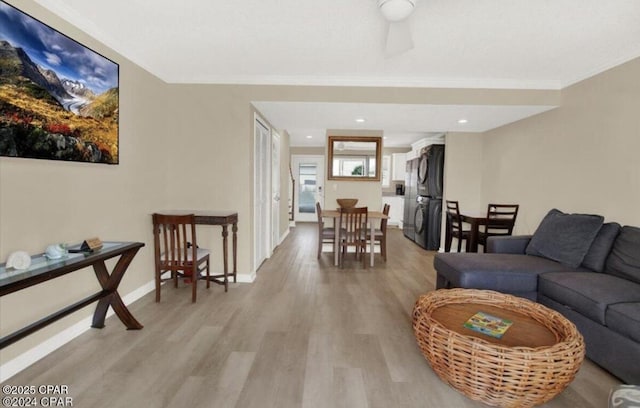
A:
<point x="429" y="188"/>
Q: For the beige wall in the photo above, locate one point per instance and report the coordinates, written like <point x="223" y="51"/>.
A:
<point x="462" y="178"/>
<point x="44" y="202"/>
<point x="313" y="151"/>
<point x="580" y="157"/>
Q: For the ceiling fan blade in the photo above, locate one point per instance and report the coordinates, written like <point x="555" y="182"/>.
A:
<point x="399" y="39"/>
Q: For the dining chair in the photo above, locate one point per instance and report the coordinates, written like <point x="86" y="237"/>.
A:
<point x="176" y="252"/>
<point x="455" y="227"/>
<point x="501" y="219"/>
<point x="325" y="234"/>
<point x="380" y="235"/>
<point x="353" y="232"/>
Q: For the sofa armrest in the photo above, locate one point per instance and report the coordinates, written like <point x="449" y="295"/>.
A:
<point x="513" y="244"/>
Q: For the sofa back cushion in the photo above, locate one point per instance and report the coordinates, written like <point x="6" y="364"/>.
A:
<point x="601" y="246"/>
<point x="624" y="260"/>
<point x="565" y="238"/>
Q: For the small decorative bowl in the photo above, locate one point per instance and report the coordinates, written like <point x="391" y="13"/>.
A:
<point x="347" y="202"/>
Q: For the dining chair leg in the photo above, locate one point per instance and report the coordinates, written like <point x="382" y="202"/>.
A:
<point x="194" y="282"/>
<point x="364" y="253"/>
<point x="383" y="248"/>
<point x="209" y="276"/>
<point x="158" y="285"/>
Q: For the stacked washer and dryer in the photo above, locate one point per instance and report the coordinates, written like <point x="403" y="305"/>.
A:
<point x="423" y="197"/>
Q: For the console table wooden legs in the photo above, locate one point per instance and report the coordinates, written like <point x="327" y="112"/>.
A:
<point x="112" y="298"/>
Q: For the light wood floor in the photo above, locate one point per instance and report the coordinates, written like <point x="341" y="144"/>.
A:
<point x="304" y="334"/>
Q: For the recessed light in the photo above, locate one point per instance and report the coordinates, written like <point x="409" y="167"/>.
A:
<point x="462" y="121"/>
<point x="309" y="137"/>
<point x="360" y="120"/>
<point x="384" y="137"/>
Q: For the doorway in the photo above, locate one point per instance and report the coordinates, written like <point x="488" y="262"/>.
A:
<point x="275" y="190"/>
<point x="308" y="171"/>
<point x="261" y="192"/>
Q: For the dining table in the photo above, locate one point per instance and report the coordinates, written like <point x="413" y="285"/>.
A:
<point x="475" y="221"/>
<point x="372" y="216"/>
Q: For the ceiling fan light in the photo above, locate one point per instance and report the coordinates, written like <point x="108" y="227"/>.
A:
<point x="396" y="10"/>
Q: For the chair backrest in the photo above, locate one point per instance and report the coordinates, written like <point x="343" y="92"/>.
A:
<point x="453" y="216"/>
<point x="175" y="242"/>
<point x="501" y="218"/>
<point x="318" y="212"/>
<point x="383" y="222"/>
<point x="353" y="224"/>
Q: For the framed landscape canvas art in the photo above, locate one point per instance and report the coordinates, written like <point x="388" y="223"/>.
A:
<point x="58" y="99"/>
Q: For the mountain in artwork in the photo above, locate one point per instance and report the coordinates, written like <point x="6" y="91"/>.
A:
<point x="44" y="116"/>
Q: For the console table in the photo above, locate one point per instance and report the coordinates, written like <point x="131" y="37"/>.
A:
<point x="224" y="219"/>
<point x="43" y="269"/>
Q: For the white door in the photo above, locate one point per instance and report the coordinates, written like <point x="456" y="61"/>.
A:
<point x="275" y="190"/>
<point x="308" y="171"/>
<point x="261" y="189"/>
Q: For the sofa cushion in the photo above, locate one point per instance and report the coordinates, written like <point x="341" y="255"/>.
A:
<point x="624" y="318"/>
<point x="624" y="260"/>
<point x="588" y="293"/>
<point x="601" y="246"/>
<point x="565" y="238"/>
<point x="502" y="272"/>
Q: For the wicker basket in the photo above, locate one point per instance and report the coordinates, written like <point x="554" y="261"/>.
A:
<point x="492" y="373"/>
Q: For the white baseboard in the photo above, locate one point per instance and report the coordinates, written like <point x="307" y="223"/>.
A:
<point x="246" y="278"/>
<point x="24" y="360"/>
<point x="284" y="236"/>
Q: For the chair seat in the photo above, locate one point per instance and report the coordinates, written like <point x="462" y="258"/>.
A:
<point x="328" y="232"/>
<point x="201" y="253"/>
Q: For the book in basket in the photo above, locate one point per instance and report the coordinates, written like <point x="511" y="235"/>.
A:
<point x="488" y="324"/>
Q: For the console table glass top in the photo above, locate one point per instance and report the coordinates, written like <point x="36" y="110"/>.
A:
<point x="41" y="265"/>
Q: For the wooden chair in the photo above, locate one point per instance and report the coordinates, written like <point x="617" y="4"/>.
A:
<point x="501" y="219"/>
<point x="380" y="235"/>
<point x="353" y="232"/>
<point x="454" y="228"/>
<point x="325" y="234"/>
<point x="175" y="248"/>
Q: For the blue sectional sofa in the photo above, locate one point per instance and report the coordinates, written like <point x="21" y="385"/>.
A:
<point x="574" y="263"/>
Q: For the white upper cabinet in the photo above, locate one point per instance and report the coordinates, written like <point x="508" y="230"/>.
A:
<point x="399" y="166"/>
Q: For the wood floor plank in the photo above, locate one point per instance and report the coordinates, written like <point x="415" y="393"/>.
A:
<point x="304" y="334"/>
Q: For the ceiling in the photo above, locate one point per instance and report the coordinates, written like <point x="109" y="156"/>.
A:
<point x="514" y="44"/>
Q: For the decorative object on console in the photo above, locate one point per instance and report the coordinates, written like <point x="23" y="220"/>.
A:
<point x="59" y="98"/>
<point x="88" y="245"/>
<point x="19" y="260"/>
<point x="56" y="251"/>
